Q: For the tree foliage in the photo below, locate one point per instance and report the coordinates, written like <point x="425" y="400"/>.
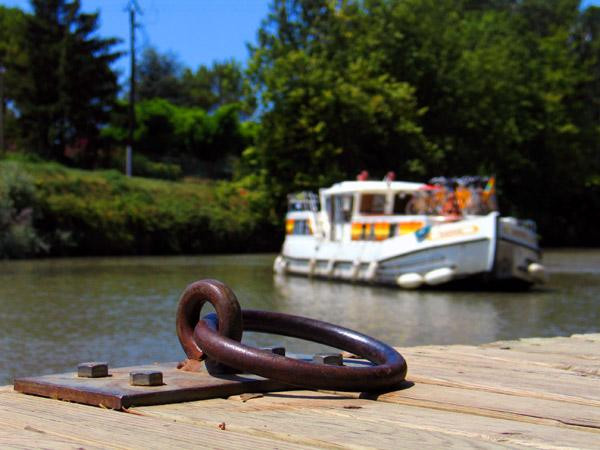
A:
<point x="420" y="87"/>
<point x="165" y="130"/>
<point x="429" y="87"/>
<point x="161" y="75"/>
<point x="329" y="106"/>
<point x="12" y="59"/>
<point x="67" y="87"/>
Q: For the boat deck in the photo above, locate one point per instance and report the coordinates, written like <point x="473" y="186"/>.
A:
<point x="536" y="393"/>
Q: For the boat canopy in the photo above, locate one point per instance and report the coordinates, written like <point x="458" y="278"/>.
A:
<point x="350" y="187"/>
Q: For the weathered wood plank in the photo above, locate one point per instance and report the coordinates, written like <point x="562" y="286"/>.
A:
<point x="491" y="404"/>
<point x="318" y="416"/>
<point x="443" y="368"/>
<point x="506" y="354"/>
<point x="30" y="437"/>
<point x="580" y="346"/>
<point x="311" y="417"/>
<point x="590" y="337"/>
<point x="96" y="427"/>
<point x="540" y="393"/>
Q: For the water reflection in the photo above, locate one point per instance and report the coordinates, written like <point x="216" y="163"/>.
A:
<point x="398" y="317"/>
<point x="57" y="313"/>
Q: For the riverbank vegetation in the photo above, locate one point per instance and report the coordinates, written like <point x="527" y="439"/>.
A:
<point x="420" y="87"/>
<point x="48" y="209"/>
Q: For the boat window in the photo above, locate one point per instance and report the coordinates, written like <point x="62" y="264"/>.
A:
<point x="301" y="227"/>
<point x="372" y="204"/>
<point x="343" y="208"/>
<point x="401" y="200"/>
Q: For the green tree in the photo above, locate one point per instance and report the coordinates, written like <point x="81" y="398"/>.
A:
<point x="178" y="133"/>
<point x="159" y="76"/>
<point x="222" y="83"/>
<point x="13" y="60"/>
<point x="68" y="88"/>
<point x="329" y="106"/>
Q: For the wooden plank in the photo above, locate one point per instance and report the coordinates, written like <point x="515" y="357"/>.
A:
<point x="590" y="337"/>
<point x="317" y="416"/>
<point x="540" y="393"/>
<point x="443" y="368"/>
<point x="491" y="404"/>
<point x="311" y="417"/>
<point x="582" y="346"/>
<point x="30" y="437"/>
<point x="97" y="427"/>
<point x="581" y="364"/>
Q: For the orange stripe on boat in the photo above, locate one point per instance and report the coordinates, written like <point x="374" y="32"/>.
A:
<point x="289" y="226"/>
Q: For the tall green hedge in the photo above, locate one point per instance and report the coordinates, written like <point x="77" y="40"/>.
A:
<point x="79" y="212"/>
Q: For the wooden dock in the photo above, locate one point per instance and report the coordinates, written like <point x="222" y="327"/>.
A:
<point x="536" y="393"/>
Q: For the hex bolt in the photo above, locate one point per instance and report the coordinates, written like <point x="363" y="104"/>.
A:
<point x="277" y="349"/>
<point x="146" y="378"/>
<point x="92" y="370"/>
<point x="331" y="359"/>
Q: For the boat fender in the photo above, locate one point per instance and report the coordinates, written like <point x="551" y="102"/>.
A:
<point x="330" y="267"/>
<point x="439" y="276"/>
<point x="410" y="280"/>
<point x="355" y="270"/>
<point x="312" y="264"/>
<point x="280" y="265"/>
<point x="537" y="271"/>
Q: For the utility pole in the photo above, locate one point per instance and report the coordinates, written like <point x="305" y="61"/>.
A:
<point x="133" y="7"/>
<point x="2" y="71"/>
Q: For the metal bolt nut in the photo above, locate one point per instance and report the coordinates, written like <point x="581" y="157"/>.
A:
<point x="92" y="370"/>
<point x="146" y="378"/>
<point x="278" y="350"/>
<point x="331" y="359"/>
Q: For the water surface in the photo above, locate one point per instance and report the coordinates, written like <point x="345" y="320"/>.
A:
<point x="57" y="313"/>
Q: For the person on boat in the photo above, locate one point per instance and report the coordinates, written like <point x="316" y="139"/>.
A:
<point x="463" y="197"/>
<point x="451" y="209"/>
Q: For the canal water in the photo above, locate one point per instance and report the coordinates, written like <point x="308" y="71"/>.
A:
<point x="57" y="313"/>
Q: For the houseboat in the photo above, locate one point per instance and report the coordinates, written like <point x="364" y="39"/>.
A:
<point x="409" y="235"/>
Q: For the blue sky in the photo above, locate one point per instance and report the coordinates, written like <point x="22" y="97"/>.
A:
<point x="197" y="31"/>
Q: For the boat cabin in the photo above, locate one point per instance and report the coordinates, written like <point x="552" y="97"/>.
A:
<point x="368" y="210"/>
<point x="378" y="210"/>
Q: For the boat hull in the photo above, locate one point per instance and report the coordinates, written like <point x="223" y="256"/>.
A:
<point x="487" y="249"/>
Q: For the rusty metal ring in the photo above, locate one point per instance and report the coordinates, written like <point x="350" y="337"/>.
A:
<point x="387" y="374"/>
<point x="188" y="313"/>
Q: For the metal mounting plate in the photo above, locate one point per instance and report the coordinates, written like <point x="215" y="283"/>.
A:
<point x="115" y="392"/>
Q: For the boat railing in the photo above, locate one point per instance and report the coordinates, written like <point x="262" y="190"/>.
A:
<point x="303" y="201"/>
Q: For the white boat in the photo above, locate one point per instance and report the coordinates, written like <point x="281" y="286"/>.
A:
<point x="409" y="235"/>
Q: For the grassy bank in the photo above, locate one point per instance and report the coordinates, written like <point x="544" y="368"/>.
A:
<point x="48" y="209"/>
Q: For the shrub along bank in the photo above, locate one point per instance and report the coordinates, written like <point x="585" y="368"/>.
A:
<point x="74" y="212"/>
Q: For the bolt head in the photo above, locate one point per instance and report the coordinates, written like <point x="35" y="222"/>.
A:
<point x="331" y="359"/>
<point x="92" y="370"/>
<point x="146" y="378"/>
<point x="276" y="349"/>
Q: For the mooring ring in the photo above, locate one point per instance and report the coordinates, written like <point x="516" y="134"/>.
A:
<point x="188" y="313"/>
<point x="388" y="372"/>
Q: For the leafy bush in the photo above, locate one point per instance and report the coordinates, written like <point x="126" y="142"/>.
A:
<point x="18" y="238"/>
<point x="105" y="213"/>
<point x="168" y="130"/>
